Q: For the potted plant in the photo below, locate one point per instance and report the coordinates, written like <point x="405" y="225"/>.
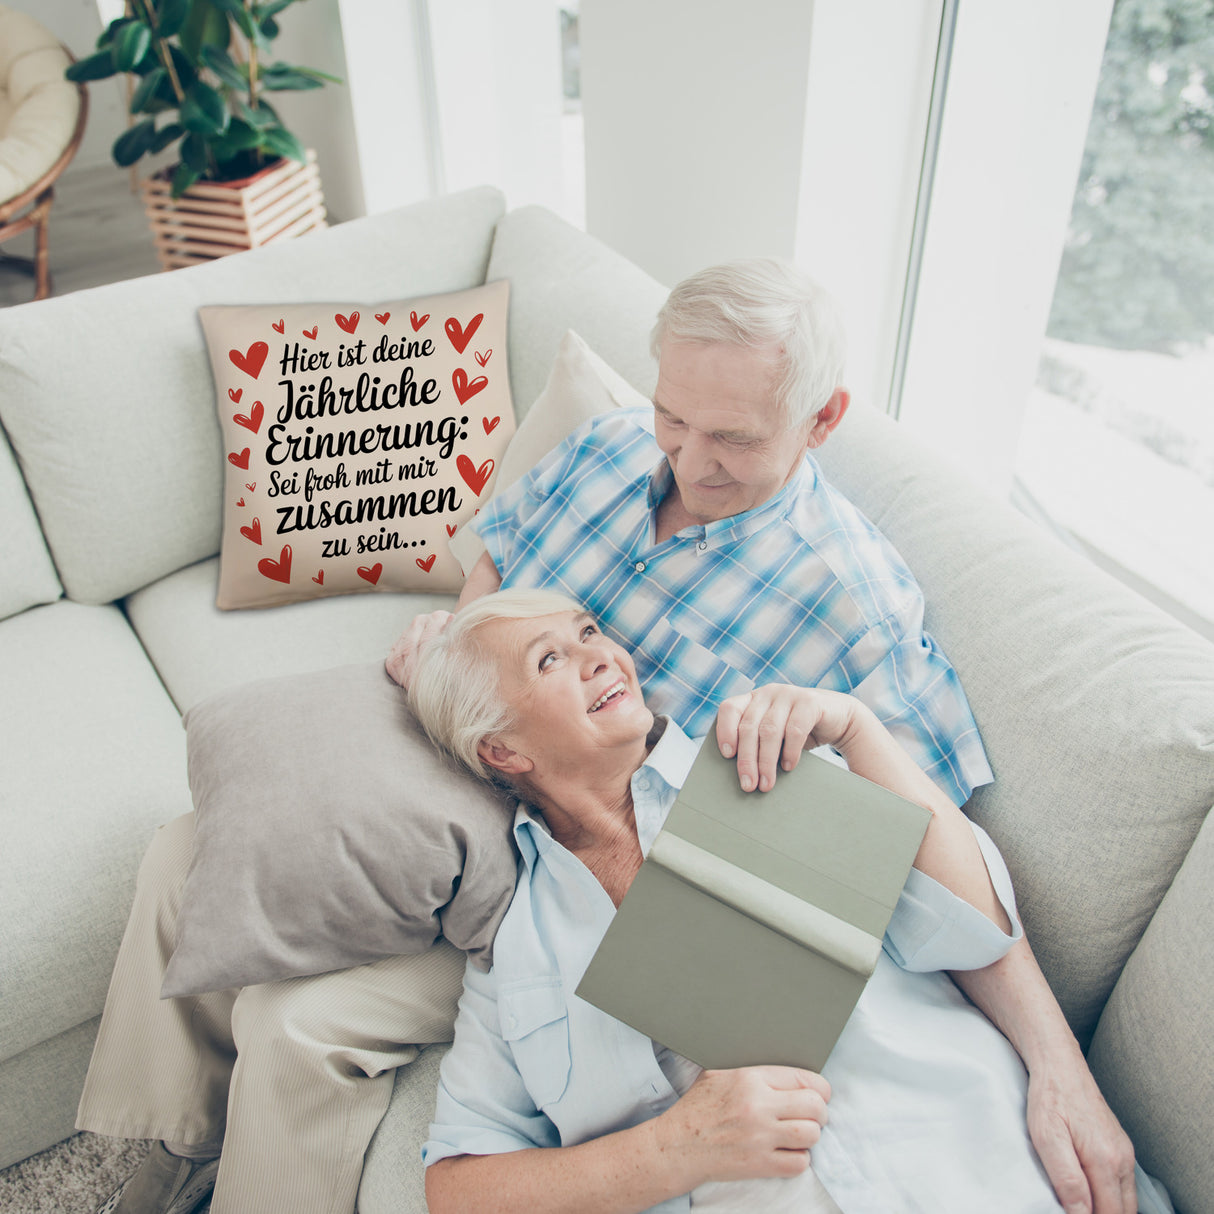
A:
<point x="201" y="71"/>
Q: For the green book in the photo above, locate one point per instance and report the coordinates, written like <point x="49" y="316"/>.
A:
<point x="755" y="921"/>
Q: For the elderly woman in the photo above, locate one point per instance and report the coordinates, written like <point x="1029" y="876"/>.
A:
<point x="547" y="1103"/>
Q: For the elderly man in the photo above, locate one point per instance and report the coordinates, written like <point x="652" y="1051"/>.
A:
<point x="704" y="538"/>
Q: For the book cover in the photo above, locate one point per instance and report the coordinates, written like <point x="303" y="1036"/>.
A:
<point x="755" y="921"/>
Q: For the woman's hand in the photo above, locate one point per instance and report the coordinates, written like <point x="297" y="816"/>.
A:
<point x="402" y="659"/>
<point x="750" y="1122"/>
<point x="770" y="727"/>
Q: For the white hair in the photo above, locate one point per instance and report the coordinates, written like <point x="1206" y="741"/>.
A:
<point x="763" y="303"/>
<point x="454" y="691"/>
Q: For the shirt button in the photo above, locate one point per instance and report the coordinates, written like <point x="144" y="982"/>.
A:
<point x="639" y="566"/>
<point x="702" y="545"/>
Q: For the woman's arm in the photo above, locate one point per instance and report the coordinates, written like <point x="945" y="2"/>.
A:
<point x="730" y="1125"/>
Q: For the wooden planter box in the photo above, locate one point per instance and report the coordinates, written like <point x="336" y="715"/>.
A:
<point x="215" y="218"/>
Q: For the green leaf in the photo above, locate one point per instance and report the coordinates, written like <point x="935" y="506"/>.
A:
<point x="261" y="118"/>
<point x="187" y="73"/>
<point x="132" y="144"/>
<point x="225" y="67"/>
<point x="205" y="26"/>
<point x="166" y="135"/>
<point x="171" y="16"/>
<point x="108" y="34"/>
<point x="96" y="67"/>
<point x="268" y="29"/>
<point x="194" y="153"/>
<point x="281" y="142"/>
<point x="203" y="111"/>
<point x="183" y="178"/>
<point x="278" y="77"/>
<point x="241" y="137"/>
<point x="131" y="44"/>
<point x="144" y="98"/>
<point x="271" y="9"/>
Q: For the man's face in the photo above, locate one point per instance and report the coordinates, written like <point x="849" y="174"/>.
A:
<point x="717" y="421"/>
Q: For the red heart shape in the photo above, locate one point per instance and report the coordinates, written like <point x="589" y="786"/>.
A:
<point x="474" y="477"/>
<point x="235" y="394"/>
<point x="382" y="317"/>
<point x="254" y="532"/>
<point x="241" y="502"/>
<point x="451" y="530"/>
<point x="319" y="579"/>
<point x="241" y="460"/>
<point x="311" y="333"/>
<point x="483" y="358"/>
<point x="428" y="563"/>
<point x="371" y="575"/>
<point x="349" y="323"/>
<point x="252" y="361"/>
<point x="418" y="321"/>
<point x="490" y="423"/>
<point x="251" y="488"/>
<point x="460" y="337"/>
<point x="279" y="325"/>
<point x="279" y="570"/>
<point x="465" y="390"/>
<point x="253" y="422"/>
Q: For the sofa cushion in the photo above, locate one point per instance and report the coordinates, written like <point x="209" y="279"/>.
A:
<point x="562" y="279"/>
<point x="29" y="575"/>
<point x="1097" y="711"/>
<point x="116" y="513"/>
<point x="93" y="759"/>
<point x="199" y="650"/>
<point x="377" y="434"/>
<point x="1152" y="1054"/>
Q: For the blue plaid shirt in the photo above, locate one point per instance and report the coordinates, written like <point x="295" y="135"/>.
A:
<point x="802" y="589"/>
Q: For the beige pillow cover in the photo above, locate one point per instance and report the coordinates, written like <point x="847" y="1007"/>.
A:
<point x="358" y="439"/>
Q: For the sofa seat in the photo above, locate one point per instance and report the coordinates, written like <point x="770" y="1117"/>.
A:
<point x="93" y="759"/>
<point x="199" y="650"/>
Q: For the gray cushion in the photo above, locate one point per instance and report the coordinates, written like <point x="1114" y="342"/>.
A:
<point x="1153" y="1053"/>
<point x="126" y="465"/>
<point x="29" y="577"/>
<point x="92" y="760"/>
<point x="1096" y="709"/>
<point x="330" y="833"/>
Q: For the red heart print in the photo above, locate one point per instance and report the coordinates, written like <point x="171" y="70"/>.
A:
<point x="235" y="394"/>
<point x="428" y="563"/>
<point x="279" y="325"/>
<point x="490" y="423"/>
<point x="465" y="390"/>
<point x="279" y="570"/>
<point x="319" y="579"/>
<point x="483" y="358"/>
<point x="241" y="460"/>
<point x="241" y="502"/>
<point x="252" y="361"/>
<point x="451" y="529"/>
<point x="348" y="323"/>
<point x="254" y="532"/>
<point x="382" y="317"/>
<point x="253" y="421"/>
<point x="251" y="488"/>
<point x="417" y="321"/>
<point x="371" y="575"/>
<point x="311" y="333"/>
<point x="474" y="477"/>
<point x="460" y="337"/>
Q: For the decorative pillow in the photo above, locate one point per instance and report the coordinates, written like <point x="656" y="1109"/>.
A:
<point x="358" y="440"/>
<point x="580" y="386"/>
<point x="329" y="832"/>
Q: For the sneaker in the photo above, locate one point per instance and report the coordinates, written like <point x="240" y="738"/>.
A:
<point x="164" y="1184"/>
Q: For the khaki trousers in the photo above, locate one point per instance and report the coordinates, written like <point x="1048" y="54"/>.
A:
<point x="293" y="1076"/>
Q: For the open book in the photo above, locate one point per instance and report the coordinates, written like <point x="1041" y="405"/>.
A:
<point x="755" y="921"/>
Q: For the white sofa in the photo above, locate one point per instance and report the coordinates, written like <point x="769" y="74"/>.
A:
<point x="1097" y="711"/>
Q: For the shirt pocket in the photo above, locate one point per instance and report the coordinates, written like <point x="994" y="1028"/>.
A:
<point x="682" y="671"/>
<point x="535" y="1024"/>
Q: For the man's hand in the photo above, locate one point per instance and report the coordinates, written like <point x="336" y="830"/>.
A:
<point x="400" y="661"/>
<point x="1087" y="1155"/>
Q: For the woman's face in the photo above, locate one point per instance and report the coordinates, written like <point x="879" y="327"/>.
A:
<point x="573" y="692"/>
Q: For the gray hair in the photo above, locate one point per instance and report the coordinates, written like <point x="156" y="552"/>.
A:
<point x="761" y="303"/>
<point x="454" y="691"/>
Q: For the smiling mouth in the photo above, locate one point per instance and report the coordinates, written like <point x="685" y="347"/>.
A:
<point x="617" y="689"/>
